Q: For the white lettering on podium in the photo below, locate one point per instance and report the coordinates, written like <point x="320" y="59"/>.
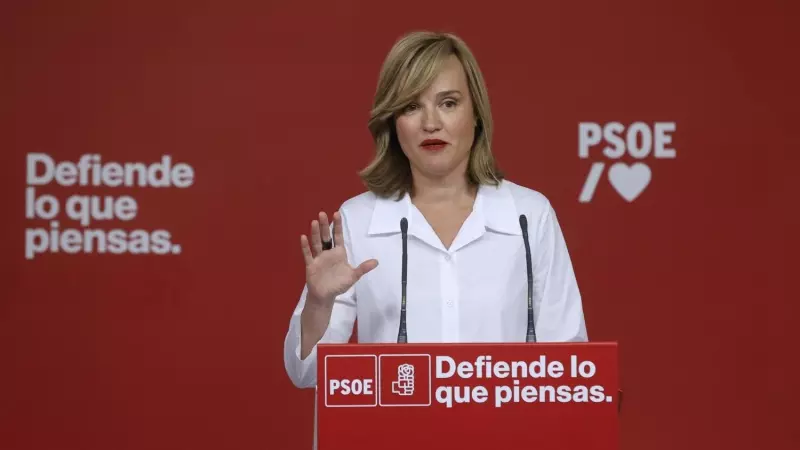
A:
<point x="440" y="361"/>
<point x="461" y="394"/>
<point x="484" y="367"/>
<point x="350" y="387"/>
<point x="515" y="390"/>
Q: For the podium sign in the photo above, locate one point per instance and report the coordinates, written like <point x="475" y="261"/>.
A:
<point x="467" y="396"/>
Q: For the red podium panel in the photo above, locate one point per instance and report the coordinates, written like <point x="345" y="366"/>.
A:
<point x="467" y="396"/>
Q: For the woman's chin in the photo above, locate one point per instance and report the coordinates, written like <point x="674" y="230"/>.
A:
<point x="438" y="170"/>
<point x="437" y="165"/>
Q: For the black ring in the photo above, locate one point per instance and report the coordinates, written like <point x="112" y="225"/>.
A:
<point x="327" y="245"/>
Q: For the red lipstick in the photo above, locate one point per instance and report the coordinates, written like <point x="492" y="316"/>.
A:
<point x="433" y="144"/>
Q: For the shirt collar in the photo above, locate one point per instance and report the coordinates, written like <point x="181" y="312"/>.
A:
<point x="494" y="210"/>
<point x="499" y="209"/>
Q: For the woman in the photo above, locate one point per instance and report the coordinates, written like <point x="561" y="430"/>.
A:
<point x="467" y="270"/>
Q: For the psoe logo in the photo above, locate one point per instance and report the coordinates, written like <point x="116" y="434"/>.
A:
<point x="639" y="140"/>
<point x="405" y="380"/>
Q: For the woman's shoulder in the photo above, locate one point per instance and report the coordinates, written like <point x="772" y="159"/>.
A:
<point x="367" y="213"/>
<point x="357" y="211"/>
<point x="525" y="198"/>
<point x="361" y="203"/>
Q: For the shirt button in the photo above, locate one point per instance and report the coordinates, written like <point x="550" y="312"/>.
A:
<point x="447" y="257"/>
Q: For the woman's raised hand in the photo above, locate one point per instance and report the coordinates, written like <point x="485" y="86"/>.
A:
<point x="328" y="273"/>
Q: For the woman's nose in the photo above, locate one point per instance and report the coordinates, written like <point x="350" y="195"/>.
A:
<point x="431" y="121"/>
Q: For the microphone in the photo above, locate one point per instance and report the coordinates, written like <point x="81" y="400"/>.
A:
<point x="402" y="335"/>
<point x="531" y="334"/>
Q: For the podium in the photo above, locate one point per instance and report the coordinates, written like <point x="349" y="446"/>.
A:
<point x="467" y="396"/>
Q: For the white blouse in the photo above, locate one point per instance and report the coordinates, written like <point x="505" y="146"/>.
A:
<point x="475" y="291"/>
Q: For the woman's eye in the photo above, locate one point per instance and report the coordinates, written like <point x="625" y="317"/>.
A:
<point x="450" y="103"/>
<point x="410" y="107"/>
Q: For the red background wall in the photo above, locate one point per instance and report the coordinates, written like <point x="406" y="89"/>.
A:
<point x="268" y="102"/>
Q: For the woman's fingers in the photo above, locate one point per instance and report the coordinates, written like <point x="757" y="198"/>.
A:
<point x="316" y="241"/>
<point x="307" y="256"/>
<point x="365" y="267"/>
<point x="320" y="232"/>
<point x="338" y="234"/>
<point x="324" y="228"/>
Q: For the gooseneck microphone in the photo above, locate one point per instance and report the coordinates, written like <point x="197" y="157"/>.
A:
<point x="530" y="336"/>
<point x="402" y="335"/>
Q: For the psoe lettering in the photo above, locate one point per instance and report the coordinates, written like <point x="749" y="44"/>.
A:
<point x="351" y="387"/>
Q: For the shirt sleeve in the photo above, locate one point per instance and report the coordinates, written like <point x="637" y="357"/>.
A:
<point x="303" y="372"/>
<point x="560" y="310"/>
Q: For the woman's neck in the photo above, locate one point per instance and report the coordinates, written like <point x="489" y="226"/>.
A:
<point x="447" y="190"/>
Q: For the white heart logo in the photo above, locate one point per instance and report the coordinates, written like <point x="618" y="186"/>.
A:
<point x="629" y="181"/>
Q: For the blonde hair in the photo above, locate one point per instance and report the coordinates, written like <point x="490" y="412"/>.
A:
<point x="409" y="68"/>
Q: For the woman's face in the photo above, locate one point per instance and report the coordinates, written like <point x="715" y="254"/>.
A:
<point x="436" y="131"/>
